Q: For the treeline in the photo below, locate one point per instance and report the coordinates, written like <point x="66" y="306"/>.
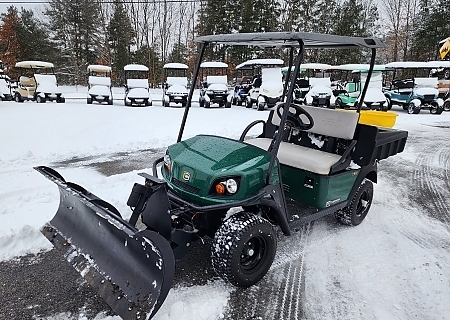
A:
<point x="75" y="33"/>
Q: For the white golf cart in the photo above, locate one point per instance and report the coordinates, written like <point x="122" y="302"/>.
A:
<point x="412" y="88"/>
<point x="175" y="86"/>
<point x="348" y="95"/>
<point x="214" y="87"/>
<point x="320" y="93"/>
<point x="37" y="82"/>
<point x="136" y="88"/>
<point x="99" y="84"/>
<point x="5" y="85"/>
<point x="266" y="87"/>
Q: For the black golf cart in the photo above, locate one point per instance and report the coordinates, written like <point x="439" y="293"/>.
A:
<point x="281" y="179"/>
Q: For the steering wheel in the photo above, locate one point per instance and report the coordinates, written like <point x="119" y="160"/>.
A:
<point x="293" y="120"/>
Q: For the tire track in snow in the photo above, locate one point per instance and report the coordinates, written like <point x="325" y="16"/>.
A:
<point x="279" y="295"/>
<point x="430" y="178"/>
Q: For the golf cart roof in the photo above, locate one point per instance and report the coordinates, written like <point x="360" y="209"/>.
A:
<point x="292" y="39"/>
<point x="213" y="64"/>
<point x="408" y="65"/>
<point x="175" y="65"/>
<point x="443" y="40"/>
<point x="315" y="66"/>
<point x="439" y="64"/>
<point x="357" y="67"/>
<point x="135" y="67"/>
<point x="249" y="64"/>
<point x="34" y="64"/>
<point x="99" y="68"/>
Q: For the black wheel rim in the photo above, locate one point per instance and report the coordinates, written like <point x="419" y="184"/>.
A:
<point x="253" y="254"/>
<point x="363" y="203"/>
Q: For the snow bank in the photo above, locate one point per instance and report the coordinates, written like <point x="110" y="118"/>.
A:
<point x="197" y="302"/>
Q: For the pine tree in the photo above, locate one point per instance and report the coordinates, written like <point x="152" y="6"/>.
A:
<point x="432" y="28"/>
<point x="75" y="29"/>
<point x="121" y="37"/>
<point x="34" y="38"/>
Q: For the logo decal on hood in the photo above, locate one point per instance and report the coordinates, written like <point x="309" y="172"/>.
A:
<point x="186" y="176"/>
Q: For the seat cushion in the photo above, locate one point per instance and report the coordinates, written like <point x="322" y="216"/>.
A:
<point x="296" y="156"/>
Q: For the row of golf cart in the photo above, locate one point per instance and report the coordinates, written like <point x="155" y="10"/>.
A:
<point x="413" y="85"/>
<point x="136" y="87"/>
<point x="36" y="82"/>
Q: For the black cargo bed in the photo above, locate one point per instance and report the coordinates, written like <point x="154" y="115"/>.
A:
<point x="376" y="143"/>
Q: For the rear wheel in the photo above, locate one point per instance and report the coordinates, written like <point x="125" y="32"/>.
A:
<point x="40" y="99"/>
<point x="359" y="206"/>
<point x="446" y="105"/>
<point x="89" y="100"/>
<point x="243" y="249"/>
<point x="436" y="108"/>
<point x="447" y="74"/>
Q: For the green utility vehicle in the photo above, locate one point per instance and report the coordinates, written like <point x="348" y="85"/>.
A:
<point x="307" y="163"/>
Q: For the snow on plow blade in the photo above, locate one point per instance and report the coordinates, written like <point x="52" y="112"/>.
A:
<point x="131" y="270"/>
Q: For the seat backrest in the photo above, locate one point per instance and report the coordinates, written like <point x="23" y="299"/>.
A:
<point x="329" y="122"/>
<point x="27" y="81"/>
<point x="303" y="83"/>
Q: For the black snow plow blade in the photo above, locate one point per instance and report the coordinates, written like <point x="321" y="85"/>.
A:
<point x="131" y="270"/>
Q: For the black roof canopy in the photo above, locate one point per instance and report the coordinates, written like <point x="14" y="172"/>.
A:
<point x="292" y="39"/>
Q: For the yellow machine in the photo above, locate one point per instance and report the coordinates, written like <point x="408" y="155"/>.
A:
<point x="444" y="48"/>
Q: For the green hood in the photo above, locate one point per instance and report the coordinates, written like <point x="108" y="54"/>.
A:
<point x="199" y="161"/>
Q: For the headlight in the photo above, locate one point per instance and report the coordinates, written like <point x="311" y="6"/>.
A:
<point x="209" y="92"/>
<point x="226" y="186"/>
<point x="167" y="161"/>
<point x="232" y="186"/>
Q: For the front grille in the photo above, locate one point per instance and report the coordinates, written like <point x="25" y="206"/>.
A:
<point x="185" y="186"/>
<point x="428" y="98"/>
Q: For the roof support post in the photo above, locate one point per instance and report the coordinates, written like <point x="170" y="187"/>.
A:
<point x="276" y="145"/>
<point x="366" y="85"/>
<point x="191" y="90"/>
<point x="291" y="58"/>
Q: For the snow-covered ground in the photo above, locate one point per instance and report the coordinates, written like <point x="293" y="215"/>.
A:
<point x="393" y="266"/>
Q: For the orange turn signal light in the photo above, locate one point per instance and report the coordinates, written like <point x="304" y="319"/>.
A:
<point x="220" y="188"/>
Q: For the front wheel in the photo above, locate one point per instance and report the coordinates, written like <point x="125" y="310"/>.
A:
<point x="338" y="103"/>
<point x="243" y="249"/>
<point x="413" y="109"/>
<point x="261" y="106"/>
<point x="18" y="98"/>
<point x="388" y="103"/>
<point x="359" y="206"/>
<point x="249" y="103"/>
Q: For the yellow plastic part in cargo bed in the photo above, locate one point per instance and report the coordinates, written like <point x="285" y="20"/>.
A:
<point x="384" y="119"/>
